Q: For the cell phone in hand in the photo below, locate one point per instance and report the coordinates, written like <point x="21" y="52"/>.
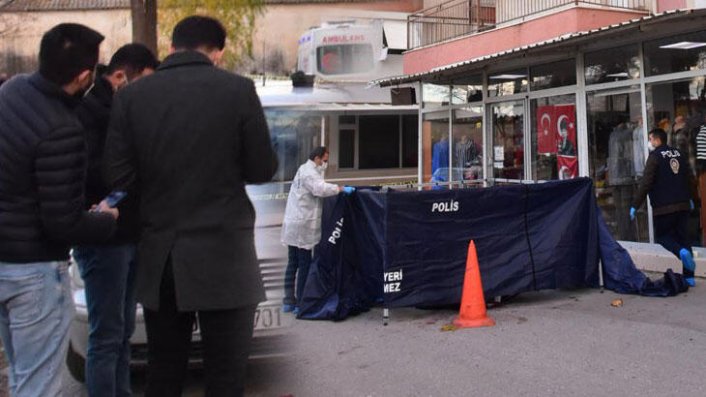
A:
<point x="114" y="198"/>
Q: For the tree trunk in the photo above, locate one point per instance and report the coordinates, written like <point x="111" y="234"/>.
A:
<point x="144" y="23"/>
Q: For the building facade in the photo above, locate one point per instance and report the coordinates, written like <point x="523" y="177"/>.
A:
<point x="277" y="29"/>
<point x="23" y="22"/>
<point x="567" y="90"/>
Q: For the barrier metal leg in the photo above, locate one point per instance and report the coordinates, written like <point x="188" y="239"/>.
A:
<point x="385" y="316"/>
<point x="600" y="276"/>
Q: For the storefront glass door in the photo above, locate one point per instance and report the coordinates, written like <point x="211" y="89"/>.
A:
<point x="554" y="138"/>
<point x="617" y="144"/>
<point x="679" y="108"/>
<point x="436" y="148"/>
<point x="507" y="151"/>
<point x="467" y="156"/>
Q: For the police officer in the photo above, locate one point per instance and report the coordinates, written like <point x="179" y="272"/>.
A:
<point x="668" y="181"/>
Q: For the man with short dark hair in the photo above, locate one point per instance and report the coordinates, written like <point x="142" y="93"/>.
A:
<point x="108" y="270"/>
<point x="42" y="152"/>
<point x="301" y="227"/>
<point x="186" y="140"/>
<point x="669" y="183"/>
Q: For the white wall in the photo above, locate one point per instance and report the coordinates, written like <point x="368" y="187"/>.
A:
<point x="21" y="33"/>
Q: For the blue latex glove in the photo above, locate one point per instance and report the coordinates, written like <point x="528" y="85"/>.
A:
<point x="348" y="190"/>
<point x="632" y="213"/>
<point x="691" y="204"/>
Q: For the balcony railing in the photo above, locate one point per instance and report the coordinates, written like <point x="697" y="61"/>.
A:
<point x="457" y="18"/>
<point x="508" y="10"/>
<point x="450" y="19"/>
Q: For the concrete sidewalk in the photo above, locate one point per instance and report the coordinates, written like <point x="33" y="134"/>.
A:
<point x="654" y="258"/>
<point x="552" y="343"/>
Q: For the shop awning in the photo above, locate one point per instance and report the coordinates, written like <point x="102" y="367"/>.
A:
<point x="329" y="98"/>
<point x="440" y="73"/>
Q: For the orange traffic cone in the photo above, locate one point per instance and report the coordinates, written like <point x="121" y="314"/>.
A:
<point x="472" y="312"/>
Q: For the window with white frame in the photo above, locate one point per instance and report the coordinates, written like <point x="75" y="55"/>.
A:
<point x="377" y="141"/>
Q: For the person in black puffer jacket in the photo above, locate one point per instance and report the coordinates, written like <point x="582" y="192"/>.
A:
<point x="42" y="174"/>
<point x="108" y="270"/>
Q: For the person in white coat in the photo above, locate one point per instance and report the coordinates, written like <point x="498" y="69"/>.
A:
<point x="301" y="228"/>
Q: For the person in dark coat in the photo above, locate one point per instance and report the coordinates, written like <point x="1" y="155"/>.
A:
<point x="108" y="270"/>
<point x="42" y="152"/>
<point x="186" y="140"/>
<point x="668" y="181"/>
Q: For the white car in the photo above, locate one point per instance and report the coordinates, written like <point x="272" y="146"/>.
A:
<point x="270" y="324"/>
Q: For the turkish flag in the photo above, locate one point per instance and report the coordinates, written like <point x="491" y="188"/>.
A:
<point x="546" y="130"/>
<point x="568" y="167"/>
<point x="565" y="123"/>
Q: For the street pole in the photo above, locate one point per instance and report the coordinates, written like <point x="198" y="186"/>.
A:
<point x="264" y="62"/>
<point x="144" y="23"/>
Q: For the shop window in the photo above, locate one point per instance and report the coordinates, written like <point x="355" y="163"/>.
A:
<point x="554" y="138"/>
<point x="435" y="95"/>
<point x="346" y="148"/>
<point x="614" y="64"/>
<point x="507" y="83"/>
<point x="435" y="150"/>
<point x="679" y="108"/>
<point x="467" y="90"/>
<point x="346" y="119"/>
<point x="552" y="75"/>
<point x="410" y="141"/>
<point x="617" y="157"/>
<point x="508" y="140"/>
<point x="467" y="156"/>
<point x="378" y="142"/>
<point x="676" y="54"/>
<point x="294" y="135"/>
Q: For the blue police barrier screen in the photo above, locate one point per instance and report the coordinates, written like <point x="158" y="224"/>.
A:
<point x="408" y="248"/>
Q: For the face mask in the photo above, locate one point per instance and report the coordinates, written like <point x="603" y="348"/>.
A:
<point x="87" y="91"/>
<point x="650" y="147"/>
<point x="322" y="167"/>
<point x="125" y="82"/>
<point x="82" y="93"/>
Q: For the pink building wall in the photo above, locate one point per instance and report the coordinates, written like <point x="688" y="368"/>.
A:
<point x="666" y="5"/>
<point x="505" y="38"/>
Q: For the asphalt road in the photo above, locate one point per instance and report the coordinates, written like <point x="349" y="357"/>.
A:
<point x="544" y="344"/>
<point x="552" y="343"/>
<point x="265" y="379"/>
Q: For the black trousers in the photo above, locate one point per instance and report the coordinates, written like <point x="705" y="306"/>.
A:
<point x="297" y="268"/>
<point x="225" y="336"/>
<point x="671" y="232"/>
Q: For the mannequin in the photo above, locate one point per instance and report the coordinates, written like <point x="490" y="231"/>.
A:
<point x="440" y="154"/>
<point x="621" y="177"/>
